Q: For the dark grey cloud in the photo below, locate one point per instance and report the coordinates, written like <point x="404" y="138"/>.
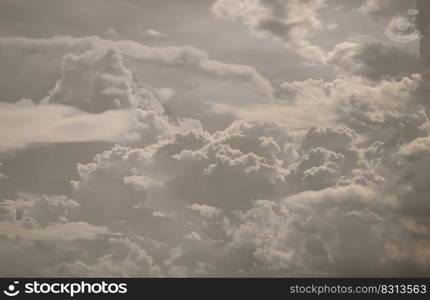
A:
<point x="374" y="61"/>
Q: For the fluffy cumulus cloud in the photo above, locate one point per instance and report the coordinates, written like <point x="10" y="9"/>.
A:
<point x="329" y="178"/>
<point x="349" y="99"/>
<point x="97" y="81"/>
<point x="258" y="198"/>
<point x="325" y="194"/>
<point x="37" y="231"/>
<point x="109" y="73"/>
<point x="96" y="99"/>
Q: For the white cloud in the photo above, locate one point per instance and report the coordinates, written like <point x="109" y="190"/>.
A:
<point x="193" y="236"/>
<point x="198" y="61"/>
<point x="39" y="124"/>
<point x="184" y="58"/>
<point x="97" y="81"/>
<point x="291" y="22"/>
<point x="206" y="211"/>
<point x="351" y="100"/>
<point x="155" y="34"/>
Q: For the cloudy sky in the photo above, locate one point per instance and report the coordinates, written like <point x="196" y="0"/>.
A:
<point x="200" y="138"/>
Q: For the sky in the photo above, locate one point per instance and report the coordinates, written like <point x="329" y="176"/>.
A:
<point x="214" y="138"/>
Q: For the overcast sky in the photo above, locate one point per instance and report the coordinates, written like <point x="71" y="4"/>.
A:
<point x="214" y="138"/>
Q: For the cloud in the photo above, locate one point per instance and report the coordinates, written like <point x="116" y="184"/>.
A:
<point x="96" y="99"/>
<point x="63" y="125"/>
<point x="97" y="81"/>
<point x="350" y="100"/>
<point x="193" y="236"/>
<point x="373" y="61"/>
<point x="417" y="146"/>
<point x="205" y="210"/>
<point x="306" y="189"/>
<point x="321" y="233"/>
<point x="35" y="62"/>
<point x="384" y="8"/>
<point x="111" y="32"/>
<point x="257" y="198"/>
<point x="184" y="58"/>
<point x="191" y="58"/>
<point x="33" y="226"/>
<point x="154" y="33"/>
<point x="259" y="156"/>
<point x="334" y="184"/>
<point x="43" y="208"/>
<point x="290" y="22"/>
<point x="294" y="23"/>
<point x="135" y="263"/>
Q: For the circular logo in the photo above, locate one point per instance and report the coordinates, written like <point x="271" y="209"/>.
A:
<point x="402" y="30"/>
